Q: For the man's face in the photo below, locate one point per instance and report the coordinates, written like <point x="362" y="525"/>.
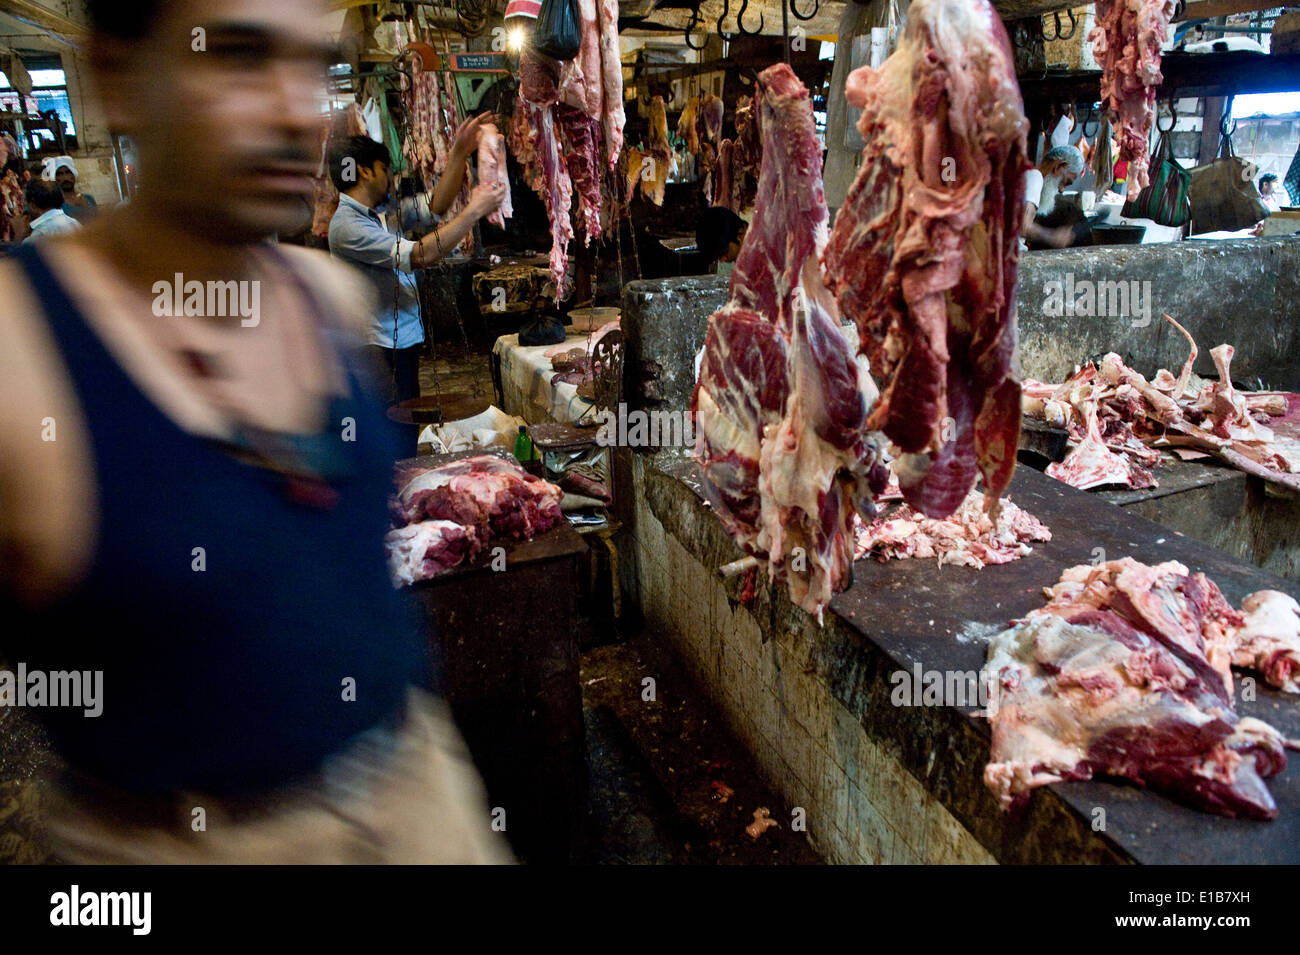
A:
<point x="221" y="98"/>
<point x="66" y="180"/>
<point x="1266" y="188"/>
<point x="733" y="248"/>
<point x="380" y="179"/>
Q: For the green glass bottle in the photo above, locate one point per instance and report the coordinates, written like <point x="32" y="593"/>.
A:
<point x="524" y="450"/>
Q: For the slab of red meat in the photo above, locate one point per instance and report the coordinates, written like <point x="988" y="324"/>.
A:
<point x="1069" y="699"/>
<point x="611" y="68"/>
<point x="686" y="125"/>
<point x="924" y="254"/>
<point x="1126" y="41"/>
<point x="492" y="168"/>
<point x="485" y="492"/>
<point x="580" y="138"/>
<point x="423" y="551"/>
<point x="782" y="402"/>
<point x="521" y="144"/>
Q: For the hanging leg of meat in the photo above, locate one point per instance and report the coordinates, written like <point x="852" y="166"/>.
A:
<point x="611" y="67"/>
<point x="654" y="180"/>
<point x="1126" y="41"/>
<point x="492" y="168"/>
<point x="924" y="254"/>
<point x="782" y="402"/>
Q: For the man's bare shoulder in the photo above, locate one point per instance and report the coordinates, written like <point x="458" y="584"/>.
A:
<point x="336" y="285"/>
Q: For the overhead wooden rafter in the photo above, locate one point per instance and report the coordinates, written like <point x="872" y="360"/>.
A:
<point x="45" y="19"/>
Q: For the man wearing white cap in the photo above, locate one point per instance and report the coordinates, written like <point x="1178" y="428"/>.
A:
<point x="64" y="171"/>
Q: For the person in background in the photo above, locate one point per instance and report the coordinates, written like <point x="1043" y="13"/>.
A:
<point x="373" y="242"/>
<point x="718" y="236"/>
<point x="1268" y="191"/>
<point x="45" y="210"/>
<point x="64" y="172"/>
<point x="218" y="487"/>
<point x="1058" y="169"/>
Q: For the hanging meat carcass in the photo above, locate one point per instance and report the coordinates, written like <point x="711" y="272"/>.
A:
<point x="924" y="253"/>
<point x="686" y="125"/>
<point x="1127" y="40"/>
<point x="781" y="403"/>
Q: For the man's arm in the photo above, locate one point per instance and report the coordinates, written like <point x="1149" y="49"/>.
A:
<point x="446" y="236"/>
<point x="463" y="144"/>
<point x="1058" y="238"/>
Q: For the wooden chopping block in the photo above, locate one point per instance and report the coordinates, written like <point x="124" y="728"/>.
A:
<point x="509" y="289"/>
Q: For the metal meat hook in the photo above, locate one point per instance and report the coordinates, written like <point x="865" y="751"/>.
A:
<point x="740" y="20"/>
<point x="801" y="16"/>
<point x="695" y="21"/>
<point x="1074" y="24"/>
<point x="726" y="9"/>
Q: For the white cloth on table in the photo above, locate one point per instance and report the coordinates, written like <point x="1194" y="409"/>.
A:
<point x="526" y="388"/>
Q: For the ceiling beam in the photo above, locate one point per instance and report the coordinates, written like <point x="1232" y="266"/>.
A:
<point x="43" y="18"/>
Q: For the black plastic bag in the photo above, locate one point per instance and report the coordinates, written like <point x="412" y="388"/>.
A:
<point x="558" y="33"/>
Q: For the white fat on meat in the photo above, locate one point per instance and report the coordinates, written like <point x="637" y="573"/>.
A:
<point x="423" y="551"/>
<point x="492" y="169"/>
<point x="1269" y="640"/>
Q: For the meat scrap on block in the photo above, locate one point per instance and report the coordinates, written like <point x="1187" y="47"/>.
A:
<point x="924" y="254"/>
<point x="443" y="516"/>
<point x="1126" y="671"/>
<point x="781" y="403"/>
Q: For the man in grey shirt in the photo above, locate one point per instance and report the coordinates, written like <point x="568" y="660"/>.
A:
<point x="374" y="243"/>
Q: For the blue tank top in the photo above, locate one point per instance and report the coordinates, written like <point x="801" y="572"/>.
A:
<point x="233" y="678"/>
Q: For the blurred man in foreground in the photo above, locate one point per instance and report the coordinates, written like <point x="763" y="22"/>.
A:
<point x="193" y="479"/>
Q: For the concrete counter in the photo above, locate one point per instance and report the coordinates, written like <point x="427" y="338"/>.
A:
<point x="886" y="783"/>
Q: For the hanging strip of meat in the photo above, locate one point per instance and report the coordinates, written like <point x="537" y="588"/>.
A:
<point x="1126" y="40"/>
<point x="924" y="254"/>
<point x="580" y="137"/>
<point x="686" y="125"/>
<point x="710" y="118"/>
<point x="611" y="68"/>
<point x="722" y="195"/>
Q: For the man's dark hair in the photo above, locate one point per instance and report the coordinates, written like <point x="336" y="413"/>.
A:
<point x="123" y="19"/>
<point x="1268" y="177"/>
<point x="44" y="195"/>
<point x="717" y="229"/>
<point x="362" y="150"/>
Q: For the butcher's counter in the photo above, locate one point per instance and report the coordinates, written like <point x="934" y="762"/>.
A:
<point x="904" y="784"/>
<point x="507" y="650"/>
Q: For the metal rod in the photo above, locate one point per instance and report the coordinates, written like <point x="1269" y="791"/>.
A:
<point x="785" y="27"/>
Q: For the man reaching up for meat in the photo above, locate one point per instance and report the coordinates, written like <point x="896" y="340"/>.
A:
<point x="374" y="243"/>
<point x="1060" y="166"/>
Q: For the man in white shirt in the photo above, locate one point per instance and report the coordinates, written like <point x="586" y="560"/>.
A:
<point x="45" y="203"/>
<point x="1058" y="169"/>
